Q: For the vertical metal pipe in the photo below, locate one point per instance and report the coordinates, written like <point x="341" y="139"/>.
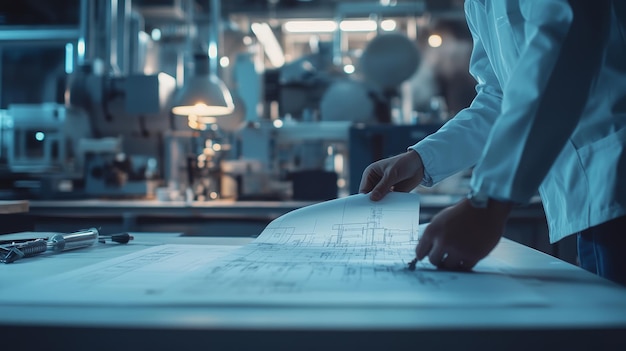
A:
<point x="406" y="88"/>
<point x="81" y="45"/>
<point x="1" y="112"/>
<point x="108" y="20"/>
<point x="337" y="42"/>
<point x="214" y="33"/>
<point x="123" y="35"/>
<point x="111" y="36"/>
<point x="184" y="60"/>
<point x="135" y="25"/>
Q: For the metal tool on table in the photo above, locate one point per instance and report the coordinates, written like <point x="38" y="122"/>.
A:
<point x="16" y="249"/>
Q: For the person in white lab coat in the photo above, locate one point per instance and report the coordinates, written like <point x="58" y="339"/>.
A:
<point x="549" y="116"/>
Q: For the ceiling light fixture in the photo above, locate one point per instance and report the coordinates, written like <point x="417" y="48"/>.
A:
<point x="204" y="93"/>
<point x="272" y="48"/>
<point x="321" y="26"/>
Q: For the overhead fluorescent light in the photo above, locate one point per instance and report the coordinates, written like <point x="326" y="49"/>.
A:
<point x="322" y="26"/>
<point x="358" y="25"/>
<point x="272" y="48"/>
<point x="310" y="26"/>
<point x="388" y="25"/>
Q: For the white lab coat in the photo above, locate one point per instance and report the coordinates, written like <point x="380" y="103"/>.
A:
<point x="550" y="110"/>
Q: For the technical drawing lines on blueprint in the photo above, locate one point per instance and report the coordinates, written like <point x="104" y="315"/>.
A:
<point x="355" y="223"/>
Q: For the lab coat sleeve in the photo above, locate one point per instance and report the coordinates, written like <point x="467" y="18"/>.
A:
<point x="545" y="96"/>
<point x="458" y="144"/>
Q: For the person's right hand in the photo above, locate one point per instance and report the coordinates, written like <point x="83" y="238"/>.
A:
<point x="398" y="173"/>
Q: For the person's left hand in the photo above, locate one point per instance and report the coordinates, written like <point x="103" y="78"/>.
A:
<point x="461" y="235"/>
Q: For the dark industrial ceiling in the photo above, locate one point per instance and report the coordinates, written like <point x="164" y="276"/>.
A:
<point x="66" y="12"/>
<point x="39" y="12"/>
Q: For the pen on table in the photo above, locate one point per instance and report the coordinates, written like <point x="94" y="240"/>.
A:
<point x="122" y="238"/>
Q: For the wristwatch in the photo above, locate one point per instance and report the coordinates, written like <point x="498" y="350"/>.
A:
<point x="477" y="199"/>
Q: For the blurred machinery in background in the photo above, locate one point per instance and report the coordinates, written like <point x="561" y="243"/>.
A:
<point x="194" y="162"/>
<point x="105" y="138"/>
<point x="288" y="159"/>
<point x="302" y="148"/>
<point x="84" y="149"/>
<point x="316" y="87"/>
<point x="42" y="146"/>
<point x="303" y="130"/>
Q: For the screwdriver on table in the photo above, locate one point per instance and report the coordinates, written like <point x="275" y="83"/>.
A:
<point x="57" y="243"/>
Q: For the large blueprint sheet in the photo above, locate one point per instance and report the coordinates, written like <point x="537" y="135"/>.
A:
<point x="349" y="251"/>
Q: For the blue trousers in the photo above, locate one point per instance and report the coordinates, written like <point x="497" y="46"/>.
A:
<point x="602" y="250"/>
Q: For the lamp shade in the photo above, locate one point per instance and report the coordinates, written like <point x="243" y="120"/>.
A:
<point x="204" y="95"/>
